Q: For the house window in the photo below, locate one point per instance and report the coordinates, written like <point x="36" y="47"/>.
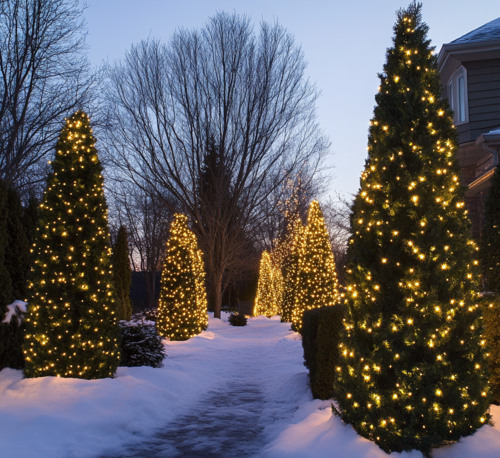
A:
<point x="457" y="95"/>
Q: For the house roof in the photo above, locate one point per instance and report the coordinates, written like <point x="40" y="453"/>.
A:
<point x="487" y="32"/>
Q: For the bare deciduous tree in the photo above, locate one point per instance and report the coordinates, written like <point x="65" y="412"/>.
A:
<point x="249" y="93"/>
<point x="44" y="76"/>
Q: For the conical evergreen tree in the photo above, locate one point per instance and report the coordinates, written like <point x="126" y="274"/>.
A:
<point x="316" y="278"/>
<point x="182" y="311"/>
<point x="122" y="275"/>
<point x="289" y="271"/>
<point x="6" y="292"/>
<point x="17" y="256"/>
<point x="269" y="288"/>
<point x="413" y="374"/>
<point x="71" y="327"/>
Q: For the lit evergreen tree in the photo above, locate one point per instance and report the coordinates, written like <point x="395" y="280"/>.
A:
<point x="269" y="288"/>
<point x="316" y="279"/>
<point x="289" y="270"/>
<point x="182" y="311"/>
<point x="413" y="374"/>
<point x="122" y="275"/>
<point x="71" y="326"/>
<point x="17" y="255"/>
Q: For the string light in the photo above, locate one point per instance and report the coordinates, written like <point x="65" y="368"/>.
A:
<point x="71" y="326"/>
<point x="182" y="309"/>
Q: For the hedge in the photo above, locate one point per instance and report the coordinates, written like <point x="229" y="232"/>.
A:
<point x="320" y="339"/>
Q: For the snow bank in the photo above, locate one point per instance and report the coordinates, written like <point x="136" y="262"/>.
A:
<point x="54" y="417"/>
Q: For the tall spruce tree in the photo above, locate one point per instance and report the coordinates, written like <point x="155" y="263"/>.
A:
<point x="122" y="275"/>
<point x="182" y="311"/>
<point x="17" y="255"/>
<point x="413" y="374"/>
<point x="71" y="327"/>
<point x="316" y="278"/>
<point x="6" y="293"/>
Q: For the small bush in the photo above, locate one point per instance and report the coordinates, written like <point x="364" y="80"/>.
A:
<point x="491" y="319"/>
<point x="140" y="345"/>
<point x="320" y="339"/>
<point x="237" y="319"/>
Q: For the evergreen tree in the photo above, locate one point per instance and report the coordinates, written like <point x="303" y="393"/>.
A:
<point x="269" y="288"/>
<point x="413" y="374"/>
<point x="30" y="222"/>
<point x="182" y="311"/>
<point x="316" y="280"/>
<point x="289" y="270"/>
<point x="6" y="293"/>
<point x="17" y="256"/>
<point x="122" y="275"/>
<point x="490" y="240"/>
<point x="71" y="326"/>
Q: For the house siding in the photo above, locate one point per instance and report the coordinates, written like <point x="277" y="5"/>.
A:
<point x="483" y="81"/>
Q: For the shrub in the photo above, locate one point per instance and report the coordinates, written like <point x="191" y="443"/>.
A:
<point x="491" y="318"/>
<point x="141" y="345"/>
<point x="320" y="339"/>
<point x="235" y="319"/>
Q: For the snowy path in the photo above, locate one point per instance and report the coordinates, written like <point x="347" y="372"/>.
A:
<point x="227" y="420"/>
<point x="229" y="392"/>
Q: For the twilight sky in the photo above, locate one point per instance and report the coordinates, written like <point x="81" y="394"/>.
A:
<point x="343" y="41"/>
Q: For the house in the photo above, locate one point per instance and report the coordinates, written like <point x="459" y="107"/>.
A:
<point x="470" y="75"/>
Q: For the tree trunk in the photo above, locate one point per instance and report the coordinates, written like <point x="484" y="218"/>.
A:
<point x="218" y="297"/>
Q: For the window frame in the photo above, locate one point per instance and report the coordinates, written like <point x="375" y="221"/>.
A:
<point x="454" y="96"/>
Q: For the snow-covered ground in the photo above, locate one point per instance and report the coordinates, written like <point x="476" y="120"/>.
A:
<point x="229" y="392"/>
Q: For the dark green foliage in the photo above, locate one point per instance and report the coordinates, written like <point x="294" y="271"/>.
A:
<point x="151" y="314"/>
<point x="235" y="319"/>
<point x="6" y="295"/>
<point x="491" y="317"/>
<point x="122" y="275"/>
<point x="413" y="370"/>
<point x="71" y="326"/>
<point x="17" y="256"/>
<point x="11" y="343"/>
<point x="30" y="222"/>
<point x="141" y="346"/>
<point x="320" y="339"/>
<point x="490" y="238"/>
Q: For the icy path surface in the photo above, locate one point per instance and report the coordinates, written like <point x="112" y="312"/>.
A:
<point x="229" y="392"/>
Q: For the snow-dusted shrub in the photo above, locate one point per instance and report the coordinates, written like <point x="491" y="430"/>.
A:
<point x="235" y="319"/>
<point x="140" y="344"/>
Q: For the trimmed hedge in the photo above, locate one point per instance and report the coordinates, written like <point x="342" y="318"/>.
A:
<point x="491" y="319"/>
<point x="320" y="339"/>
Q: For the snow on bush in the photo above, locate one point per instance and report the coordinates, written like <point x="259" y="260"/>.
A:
<point x="141" y="345"/>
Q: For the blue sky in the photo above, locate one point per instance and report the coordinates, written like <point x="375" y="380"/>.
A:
<point x="343" y="41"/>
